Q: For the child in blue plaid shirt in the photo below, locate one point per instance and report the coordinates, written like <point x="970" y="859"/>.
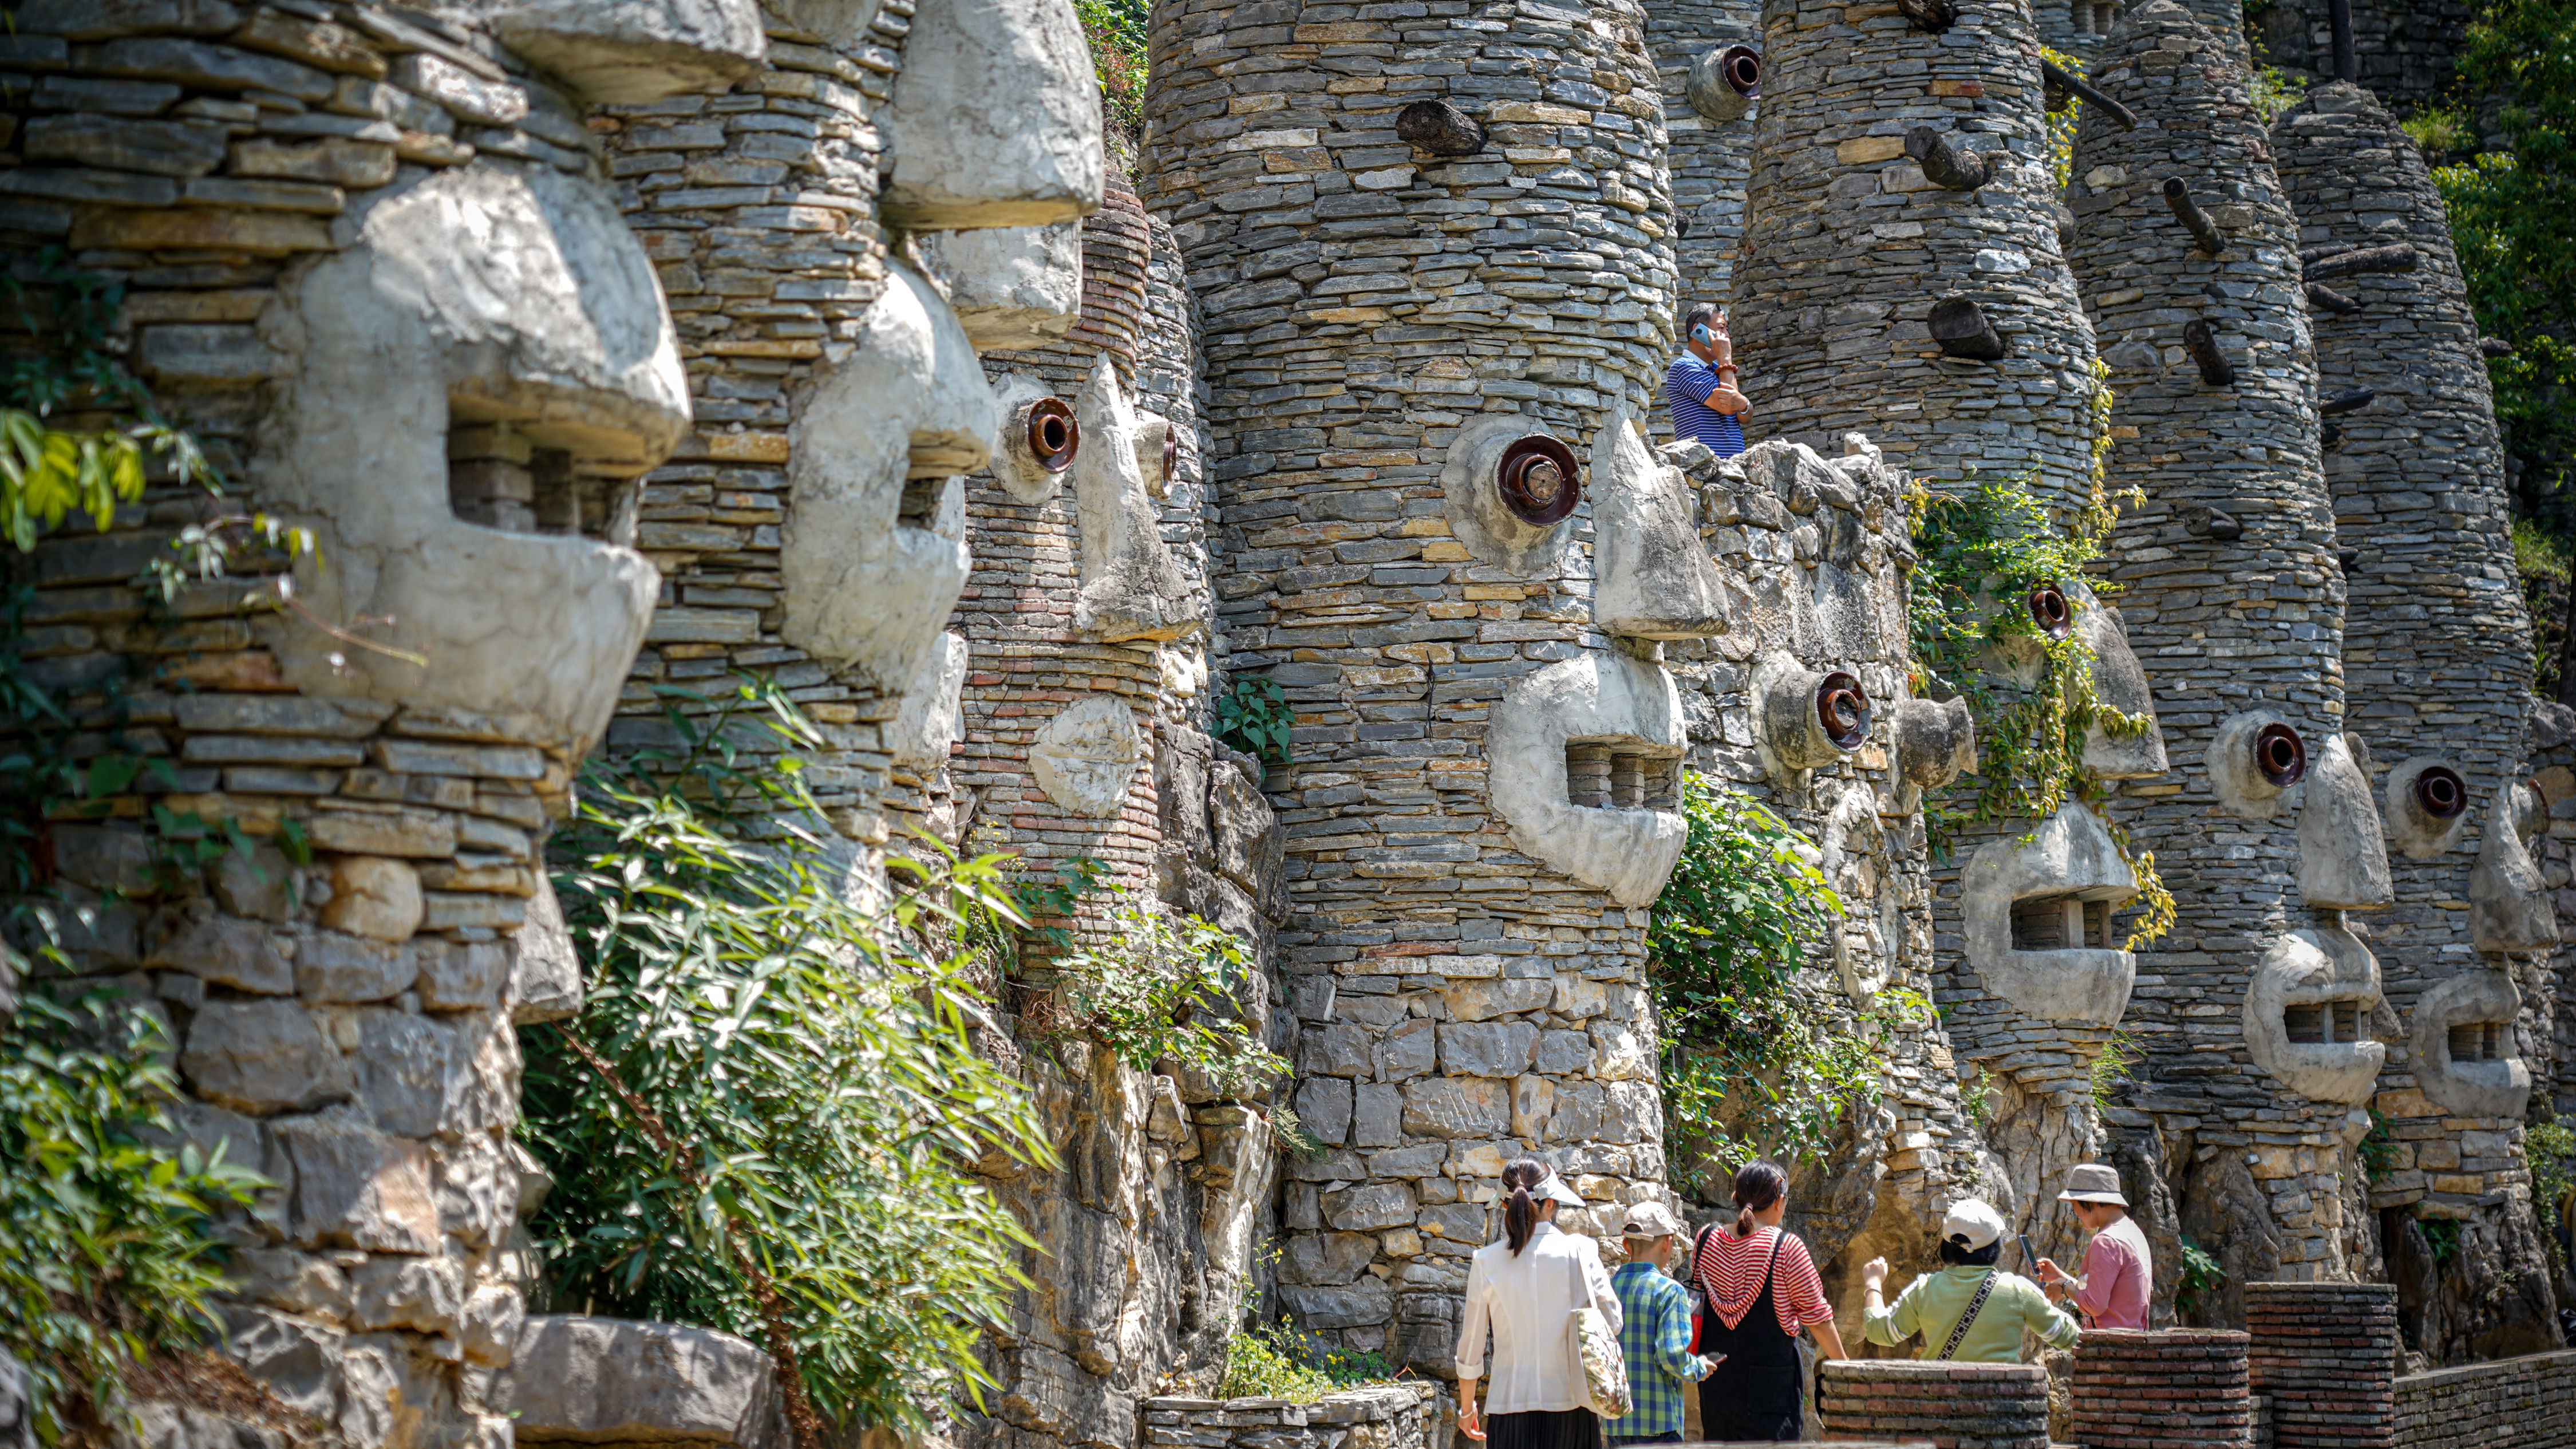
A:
<point x="1654" y="1330"/>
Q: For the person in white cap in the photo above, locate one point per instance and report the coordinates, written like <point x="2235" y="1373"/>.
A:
<point x="1971" y="1311"/>
<point x="2118" y="1266"/>
<point x="1523" y="1291"/>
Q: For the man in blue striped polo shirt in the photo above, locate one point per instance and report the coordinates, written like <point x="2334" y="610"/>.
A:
<point x="1700" y="386"/>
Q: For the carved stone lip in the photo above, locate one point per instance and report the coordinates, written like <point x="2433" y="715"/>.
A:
<point x="1842" y="707"/>
<point x="1538" y="480"/>
<point x="2280" y="754"/>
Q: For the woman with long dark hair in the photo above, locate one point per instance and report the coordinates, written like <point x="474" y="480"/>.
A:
<point x="1523" y="1291"/>
<point x="1762" y="1289"/>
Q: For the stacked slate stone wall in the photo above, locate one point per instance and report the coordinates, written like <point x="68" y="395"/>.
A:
<point x="2527" y="1402"/>
<point x="1710" y="158"/>
<point x="2134" y="1390"/>
<point x="2324" y="1357"/>
<point x="1404" y="1415"/>
<point x="2437" y="659"/>
<point x="286" y="195"/>
<point x="2407" y="50"/>
<point x="2234" y="604"/>
<point x="1361" y="301"/>
<point x="1784" y="543"/>
<point x="1848" y="246"/>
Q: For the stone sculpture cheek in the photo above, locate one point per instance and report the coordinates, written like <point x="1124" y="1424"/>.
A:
<point x="483" y="310"/>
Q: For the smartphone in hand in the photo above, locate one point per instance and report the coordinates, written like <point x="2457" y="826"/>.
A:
<point x="2029" y="1255"/>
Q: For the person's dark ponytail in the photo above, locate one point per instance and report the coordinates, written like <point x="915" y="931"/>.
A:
<point x="1520" y="1210"/>
<point x="1758" y="1184"/>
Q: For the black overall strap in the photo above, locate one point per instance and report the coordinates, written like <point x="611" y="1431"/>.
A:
<point x="1959" y="1330"/>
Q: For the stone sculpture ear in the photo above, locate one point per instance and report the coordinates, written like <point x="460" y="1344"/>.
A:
<point x="634" y="51"/>
<point x="1131" y="587"/>
<point x="2465" y="1056"/>
<point x="1509" y="490"/>
<point x="501" y="311"/>
<point x="2037" y="912"/>
<point x="2343" y="852"/>
<point x="2307" y="1015"/>
<point x="2509" y="907"/>
<point x="1039" y="437"/>
<point x="1804" y="718"/>
<point x="995" y="120"/>
<point x="874" y="553"/>
<point x="1655" y="579"/>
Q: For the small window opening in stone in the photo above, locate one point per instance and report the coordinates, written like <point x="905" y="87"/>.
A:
<point x="2047" y="923"/>
<point x="2345" y="1018"/>
<point x="2304" y="1024"/>
<point x="1587" y="776"/>
<point x="2477" y="1041"/>
<point x="920" y="505"/>
<point x="491" y="476"/>
<point x="1628" y="781"/>
<point x="2097" y="925"/>
<point x="1663" y="784"/>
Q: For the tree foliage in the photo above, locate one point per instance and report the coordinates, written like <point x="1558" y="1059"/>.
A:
<point x="1760" y="1058"/>
<point x="766" y="1115"/>
<point x="106" y="1258"/>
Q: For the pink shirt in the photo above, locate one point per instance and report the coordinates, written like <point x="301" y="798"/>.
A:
<point x="2117" y="1271"/>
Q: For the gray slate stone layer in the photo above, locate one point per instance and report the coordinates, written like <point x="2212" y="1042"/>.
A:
<point x="1847" y="247"/>
<point x="2221" y="626"/>
<point x="2437" y="641"/>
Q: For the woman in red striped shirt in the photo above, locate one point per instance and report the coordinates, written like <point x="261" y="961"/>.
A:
<point x="1762" y="1289"/>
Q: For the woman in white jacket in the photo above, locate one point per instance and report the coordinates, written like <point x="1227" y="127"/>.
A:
<point x="1524" y="1291"/>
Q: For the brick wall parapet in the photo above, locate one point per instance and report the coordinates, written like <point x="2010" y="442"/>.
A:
<point x="2134" y="1390"/>
<point x="1955" y="1405"/>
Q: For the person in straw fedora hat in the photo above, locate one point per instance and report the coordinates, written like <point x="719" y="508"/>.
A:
<point x="2118" y="1268"/>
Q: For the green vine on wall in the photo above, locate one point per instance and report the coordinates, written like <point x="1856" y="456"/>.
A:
<point x="1760" y="1058"/>
<point x="1982" y="551"/>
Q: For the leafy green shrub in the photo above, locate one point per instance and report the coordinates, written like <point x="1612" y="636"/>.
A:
<point x="1253" y="715"/>
<point x="1756" y="1063"/>
<point x="2378" y="1149"/>
<point x="2550" y="1148"/>
<point x="2112" y="1070"/>
<point x="105" y="1256"/>
<point x="2202" y="1276"/>
<point x="764" y="1118"/>
<point x="2442" y="1235"/>
<point x="2273" y="91"/>
<point x="2438" y="132"/>
<point x="1281" y="1361"/>
<point x="1158" y="989"/>
<point x="1115" y="30"/>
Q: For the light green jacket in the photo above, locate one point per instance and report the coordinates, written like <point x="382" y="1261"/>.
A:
<point x="1931" y="1305"/>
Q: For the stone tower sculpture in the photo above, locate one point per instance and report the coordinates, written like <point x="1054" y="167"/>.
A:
<point x="1901" y="273"/>
<point x="1434" y="282"/>
<point x="2260" y="1029"/>
<point x="2437" y="651"/>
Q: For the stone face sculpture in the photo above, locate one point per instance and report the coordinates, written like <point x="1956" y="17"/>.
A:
<point x="2426" y="805"/>
<point x="2038" y="914"/>
<point x="2307" y="1015"/>
<point x="1653" y="578"/>
<point x="511" y="298"/>
<point x="903" y="408"/>
<point x="2461" y="1046"/>
<point x="1620" y="705"/>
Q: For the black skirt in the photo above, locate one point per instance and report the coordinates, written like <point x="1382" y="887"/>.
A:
<point x="1544" y="1429"/>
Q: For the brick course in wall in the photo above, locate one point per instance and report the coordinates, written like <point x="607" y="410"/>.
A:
<point x="2324" y="1358"/>
<point x="2134" y="1390"/>
<point x="1955" y="1405"/>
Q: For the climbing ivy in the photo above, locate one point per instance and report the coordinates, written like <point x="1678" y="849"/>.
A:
<point x="1981" y="551"/>
<point x="1760" y="1059"/>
